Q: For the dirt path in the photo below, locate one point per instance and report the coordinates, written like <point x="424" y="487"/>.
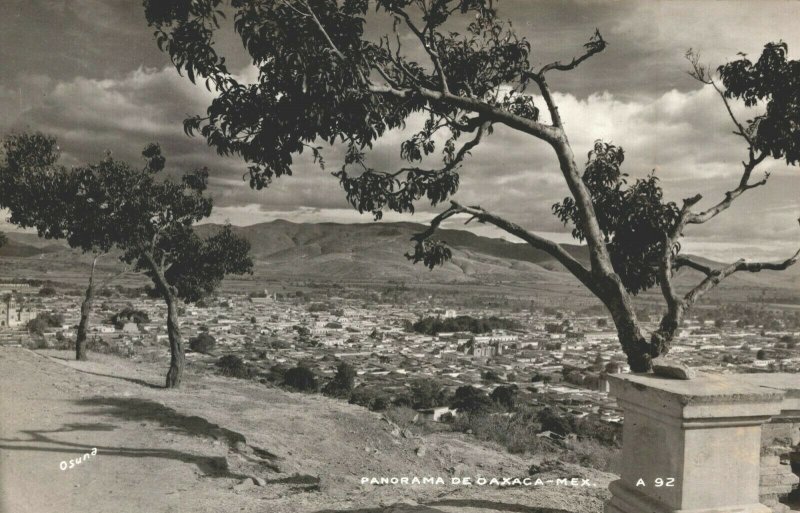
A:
<point x="198" y="448"/>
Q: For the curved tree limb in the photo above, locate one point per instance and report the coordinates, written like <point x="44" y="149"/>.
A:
<point x="552" y="248"/>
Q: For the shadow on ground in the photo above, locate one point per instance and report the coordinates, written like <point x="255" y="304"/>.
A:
<point x="143" y="410"/>
<point x="135" y="381"/>
<point x="43" y="441"/>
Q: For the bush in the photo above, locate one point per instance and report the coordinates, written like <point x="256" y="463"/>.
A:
<point x="129" y="314"/>
<point x="516" y="433"/>
<point x="47" y="291"/>
<point x="343" y="382"/>
<point x="370" y="397"/>
<point x="403" y="416"/>
<point x="300" y="378"/>
<point x="593" y="454"/>
<point x="233" y="366"/>
<point x="43" y="321"/>
<point x="203" y="343"/>
<point x="505" y="396"/>
<point x="427" y="393"/>
<point x="469" y="399"/>
<point x="553" y="421"/>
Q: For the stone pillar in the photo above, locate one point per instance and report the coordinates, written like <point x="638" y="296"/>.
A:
<point x="780" y="440"/>
<point x="690" y="446"/>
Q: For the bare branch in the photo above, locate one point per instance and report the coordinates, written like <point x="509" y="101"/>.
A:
<point x="432" y="53"/>
<point x="685" y="261"/>
<point x="741" y="265"/>
<point x="730" y="196"/>
<point x="323" y="31"/>
<point x="595" y="45"/>
<point x="489" y="112"/>
<point x="552" y="248"/>
<point x="702" y="74"/>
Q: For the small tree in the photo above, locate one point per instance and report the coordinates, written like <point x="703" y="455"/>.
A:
<point x="469" y="399"/>
<point x="324" y="79"/>
<point x="112" y="205"/>
<point x="154" y="231"/>
<point x="301" y="378"/>
<point x="343" y="381"/>
<point x="505" y="396"/>
<point x="427" y="393"/>
<point x="41" y="194"/>
<point x="202" y="343"/>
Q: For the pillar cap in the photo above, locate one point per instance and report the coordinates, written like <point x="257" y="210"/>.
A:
<point x="708" y="396"/>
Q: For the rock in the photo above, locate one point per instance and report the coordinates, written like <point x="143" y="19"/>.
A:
<point x="421" y="450"/>
<point x="461" y="470"/>
<point x="259" y="481"/>
<point x="669" y="368"/>
<point x="396" y="432"/>
<point x="407" y="433"/>
<point x="244" y="485"/>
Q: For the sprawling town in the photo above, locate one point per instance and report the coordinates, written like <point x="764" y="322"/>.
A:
<point x="556" y="353"/>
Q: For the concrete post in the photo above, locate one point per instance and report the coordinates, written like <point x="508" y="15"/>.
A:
<point x="690" y="446"/>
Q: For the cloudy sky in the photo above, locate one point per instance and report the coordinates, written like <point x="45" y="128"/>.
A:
<point x="88" y="72"/>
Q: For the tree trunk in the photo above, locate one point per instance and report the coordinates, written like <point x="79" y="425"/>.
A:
<point x="177" y="356"/>
<point x="608" y="285"/>
<point x="86" y="310"/>
<point x="637" y="348"/>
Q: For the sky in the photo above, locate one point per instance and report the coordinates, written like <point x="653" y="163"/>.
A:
<point x="89" y="72"/>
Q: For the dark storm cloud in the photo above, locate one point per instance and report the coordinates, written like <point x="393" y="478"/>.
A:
<point x="88" y="71"/>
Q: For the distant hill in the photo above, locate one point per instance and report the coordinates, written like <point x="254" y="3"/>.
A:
<point x="375" y="251"/>
<point x="369" y="252"/>
<point x="27" y="245"/>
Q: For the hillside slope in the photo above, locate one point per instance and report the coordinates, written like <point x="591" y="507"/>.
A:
<point x="195" y="449"/>
<point x="371" y="252"/>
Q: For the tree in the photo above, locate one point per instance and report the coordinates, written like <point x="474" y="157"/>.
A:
<point x="761" y="354"/>
<point x="427" y="393"/>
<point x="551" y="420"/>
<point x="112" y="205"/>
<point x="47" y="291"/>
<point x="41" y="194"/>
<point x="301" y="378"/>
<point x="44" y="321"/>
<point x="322" y="79"/>
<point x="129" y="314"/>
<point x="469" y="399"/>
<point x="233" y="366"/>
<point x="202" y="343"/>
<point x="505" y="396"/>
<point x="343" y="381"/>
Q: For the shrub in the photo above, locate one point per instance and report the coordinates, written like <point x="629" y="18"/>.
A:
<point x="300" y="378"/>
<point x="129" y="314"/>
<point x="47" y="291"/>
<point x="553" y="421"/>
<point x="233" y="366"/>
<point x="203" y="343"/>
<point x="469" y="399"/>
<point x="593" y="454"/>
<point x="516" y="433"/>
<point x="427" y="393"/>
<point x="403" y="416"/>
<point x="43" y="321"/>
<point x="505" y="396"/>
<point x="343" y="382"/>
<point x="370" y="397"/>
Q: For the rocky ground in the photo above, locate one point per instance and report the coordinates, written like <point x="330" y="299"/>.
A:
<point x="221" y="444"/>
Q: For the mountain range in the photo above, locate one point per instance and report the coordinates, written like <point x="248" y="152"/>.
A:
<point x="370" y="252"/>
